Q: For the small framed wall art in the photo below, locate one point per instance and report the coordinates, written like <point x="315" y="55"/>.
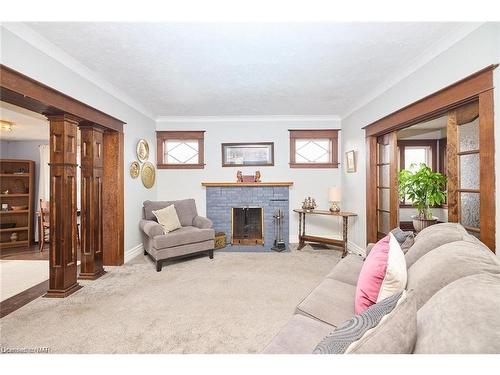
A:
<point x="350" y="161"/>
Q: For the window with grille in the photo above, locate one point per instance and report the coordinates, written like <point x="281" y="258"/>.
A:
<point x="314" y="148"/>
<point x="180" y="149"/>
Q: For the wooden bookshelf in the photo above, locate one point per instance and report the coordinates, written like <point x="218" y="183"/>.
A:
<point x="21" y="192"/>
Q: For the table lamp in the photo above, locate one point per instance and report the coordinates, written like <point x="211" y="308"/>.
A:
<point x="334" y="197"/>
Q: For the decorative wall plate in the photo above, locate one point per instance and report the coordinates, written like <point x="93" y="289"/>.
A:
<point x="142" y="150"/>
<point x="135" y="169"/>
<point x="148" y="175"/>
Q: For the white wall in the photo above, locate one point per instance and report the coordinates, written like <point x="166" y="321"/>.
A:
<point x="476" y="51"/>
<point x="29" y="59"/>
<point x="186" y="183"/>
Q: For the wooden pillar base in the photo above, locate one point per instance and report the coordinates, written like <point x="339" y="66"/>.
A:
<point x="55" y="293"/>
<point x="91" y="276"/>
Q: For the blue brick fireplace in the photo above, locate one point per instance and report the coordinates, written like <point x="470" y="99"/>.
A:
<point x="221" y="198"/>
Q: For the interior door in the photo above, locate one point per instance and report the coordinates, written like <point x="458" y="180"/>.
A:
<point x="387" y="195"/>
<point x="471" y="172"/>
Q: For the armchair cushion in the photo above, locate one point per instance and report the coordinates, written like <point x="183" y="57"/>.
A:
<point x="151" y="228"/>
<point x="185" y="208"/>
<point x="183" y="236"/>
<point x="167" y="218"/>
<point x="202" y="222"/>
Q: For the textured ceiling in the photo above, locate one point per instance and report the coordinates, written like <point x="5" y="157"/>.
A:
<point x="213" y="69"/>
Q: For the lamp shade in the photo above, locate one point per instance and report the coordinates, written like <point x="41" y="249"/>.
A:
<point x="334" y="194"/>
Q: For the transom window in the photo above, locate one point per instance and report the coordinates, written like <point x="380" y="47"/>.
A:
<point x="314" y="148"/>
<point x="180" y="149"/>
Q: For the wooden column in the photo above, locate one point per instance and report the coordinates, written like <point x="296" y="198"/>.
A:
<point x="113" y="202"/>
<point x="63" y="256"/>
<point x="91" y="266"/>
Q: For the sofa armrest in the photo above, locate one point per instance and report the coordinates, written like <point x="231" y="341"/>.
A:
<point x="202" y="222"/>
<point x="151" y="228"/>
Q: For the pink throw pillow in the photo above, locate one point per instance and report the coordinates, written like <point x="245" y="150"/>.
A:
<point x="383" y="274"/>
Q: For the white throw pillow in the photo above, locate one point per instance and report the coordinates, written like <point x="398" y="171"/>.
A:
<point x="167" y="218"/>
<point x="396" y="273"/>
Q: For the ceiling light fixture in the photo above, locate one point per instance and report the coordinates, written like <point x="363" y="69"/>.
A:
<point x="6" y="125"/>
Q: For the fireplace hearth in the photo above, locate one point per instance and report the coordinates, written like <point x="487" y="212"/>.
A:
<point x="247" y="225"/>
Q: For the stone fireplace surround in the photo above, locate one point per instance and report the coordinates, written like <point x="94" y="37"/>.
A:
<point x="221" y="197"/>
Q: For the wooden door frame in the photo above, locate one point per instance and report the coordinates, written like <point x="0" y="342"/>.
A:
<point x="477" y="86"/>
<point x="23" y="91"/>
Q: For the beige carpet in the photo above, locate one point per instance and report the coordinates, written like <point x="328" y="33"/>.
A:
<point x="19" y="275"/>
<point x="233" y="304"/>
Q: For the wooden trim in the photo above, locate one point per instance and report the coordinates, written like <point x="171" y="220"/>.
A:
<point x="371" y="190"/>
<point x="113" y="199"/>
<point x="164" y="135"/>
<point x="452" y="173"/>
<point x="314" y="165"/>
<point x="331" y="134"/>
<point x="246" y="184"/>
<point x="313" y="133"/>
<point x="271" y="164"/>
<point x="487" y="169"/>
<point x="443" y="159"/>
<point x="13" y="303"/>
<point x="180" y="134"/>
<point x="393" y="175"/>
<point x="431" y="106"/>
<point x="23" y="91"/>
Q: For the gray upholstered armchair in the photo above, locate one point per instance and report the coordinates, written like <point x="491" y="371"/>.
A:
<point x="195" y="236"/>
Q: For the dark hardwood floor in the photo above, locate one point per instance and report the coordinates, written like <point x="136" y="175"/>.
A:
<point x="25" y="253"/>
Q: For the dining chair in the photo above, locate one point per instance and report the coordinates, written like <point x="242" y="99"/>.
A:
<point x="44" y="225"/>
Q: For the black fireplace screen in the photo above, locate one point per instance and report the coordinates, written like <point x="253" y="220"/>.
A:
<point x="247" y="225"/>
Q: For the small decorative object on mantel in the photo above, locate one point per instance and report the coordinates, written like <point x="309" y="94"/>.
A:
<point x="148" y="175"/>
<point x="257" y="176"/>
<point x="350" y="158"/>
<point x="135" y="169"/>
<point x="239" y="176"/>
<point x="309" y="204"/>
<point x="334" y="197"/>
<point x="142" y="150"/>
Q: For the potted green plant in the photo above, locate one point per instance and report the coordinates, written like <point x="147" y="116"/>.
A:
<point x="425" y="189"/>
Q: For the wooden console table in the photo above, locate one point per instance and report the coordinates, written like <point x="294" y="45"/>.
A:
<point x="303" y="237"/>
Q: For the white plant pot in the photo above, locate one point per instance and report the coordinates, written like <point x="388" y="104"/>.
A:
<point x="420" y="224"/>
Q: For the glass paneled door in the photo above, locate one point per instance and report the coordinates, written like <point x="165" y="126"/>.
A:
<point x="464" y="186"/>
<point x="387" y="195"/>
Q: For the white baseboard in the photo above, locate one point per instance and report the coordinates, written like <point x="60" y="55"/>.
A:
<point x="133" y="252"/>
<point x="351" y="246"/>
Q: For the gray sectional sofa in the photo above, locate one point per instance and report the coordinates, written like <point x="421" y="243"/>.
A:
<point x="455" y="277"/>
<point x="195" y="236"/>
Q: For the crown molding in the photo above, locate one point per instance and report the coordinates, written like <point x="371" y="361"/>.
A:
<point x="39" y="42"/>
<point x="249" y="118"/>
<point x="434" y="50"/>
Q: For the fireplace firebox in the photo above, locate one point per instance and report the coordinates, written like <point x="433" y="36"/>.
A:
<point x="247" y="225"/>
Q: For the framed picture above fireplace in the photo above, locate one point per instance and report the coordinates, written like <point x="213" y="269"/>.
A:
<point x="247" y="154"/>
